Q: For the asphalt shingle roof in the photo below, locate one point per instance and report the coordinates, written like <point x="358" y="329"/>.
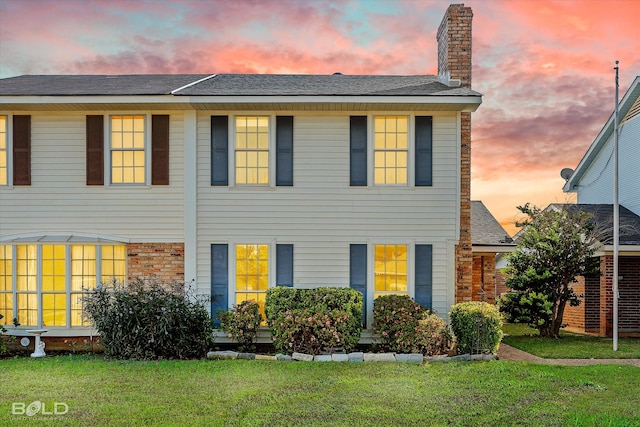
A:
<point x="229" y="85"/>
<point x="602" y="219"/>
<point x="485" y="229"/>
<point x="94" y="85"/>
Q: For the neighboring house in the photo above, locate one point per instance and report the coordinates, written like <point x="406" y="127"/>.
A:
<point x="489" y="240"/>
<point x="592" y="180"/>
<point x="237" y="183"/>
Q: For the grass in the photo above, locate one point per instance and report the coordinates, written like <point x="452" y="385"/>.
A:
<point x="569" y="346"/>
<point x="263" y="393"/>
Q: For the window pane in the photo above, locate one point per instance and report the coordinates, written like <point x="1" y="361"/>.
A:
<point x="251" y="150"/>
<point x="28" y="309"/>
<point x="252" y="272"/>
<point x="127" y="144"/>
<point x="390" y="274"/>
<point x="390" y="149"/>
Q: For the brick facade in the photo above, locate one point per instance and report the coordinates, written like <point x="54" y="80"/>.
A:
<point x="595" y="314"/>
<point x="454" y="62"/>
<point x="484" y="278"/>
<point x="163" y="262"/>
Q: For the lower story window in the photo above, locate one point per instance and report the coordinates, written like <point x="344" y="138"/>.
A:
<point x="252" y="273"/>
<point x="390" y="270"/>
<point x="44" y="284"/>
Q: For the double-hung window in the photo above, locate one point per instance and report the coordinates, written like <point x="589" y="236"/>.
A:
<point x="252" y="150"/>
<point x="391" y="150"/>
<point x="127" y="147"/>
<point x="252" y="273"/>
<point x="390" y="270"/>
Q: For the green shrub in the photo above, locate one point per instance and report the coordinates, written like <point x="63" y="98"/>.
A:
<point x="532" y="308"/>
<point x="403" y="326"/>
<point x="3" y="343"/>
<point x="241" y="323"/>
<point x="476" y="326"/>
<point x="308" y="331"/>
<point x="314" y="320"/>
<point x="149" y="321"/>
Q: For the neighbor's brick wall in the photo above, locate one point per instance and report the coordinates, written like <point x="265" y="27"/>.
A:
<point x="501" y="283"/>
<point x="484" y="281"/>
<point x="454" y="60"/>
<point x="574" y="316"/>
<point x="162" y="262"/>
<point x="629" y="295"/>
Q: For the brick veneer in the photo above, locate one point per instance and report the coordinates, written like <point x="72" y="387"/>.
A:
<point x="163" y="262"/>
<point x="454" y="61"/>
<point x="484" y="279"/>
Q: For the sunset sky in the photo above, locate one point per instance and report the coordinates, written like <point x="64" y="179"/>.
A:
<point x="545" y="67"/>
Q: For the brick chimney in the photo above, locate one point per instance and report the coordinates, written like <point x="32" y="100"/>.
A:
<point x="454" y="69"/>
<point x="454" y="45"/>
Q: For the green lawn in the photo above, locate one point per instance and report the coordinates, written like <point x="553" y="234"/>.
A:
<point x="572" y="346"/>
<point x="247" y="393"/>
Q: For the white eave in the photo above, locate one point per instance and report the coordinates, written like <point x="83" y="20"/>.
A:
<point x="234" y="102"/>
<point x="603" y="136"/>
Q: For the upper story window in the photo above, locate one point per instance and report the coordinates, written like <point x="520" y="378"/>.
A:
<point x="252" y="150"/>
<point x="390" y="149"/>
<point x="128" y="158"/>
<point x="4" y="152"/>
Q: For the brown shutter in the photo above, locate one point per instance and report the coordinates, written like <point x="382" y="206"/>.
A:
<point x="160" y="150"/>
<point x="21" y="150"/>
<point x="95" y="150"/>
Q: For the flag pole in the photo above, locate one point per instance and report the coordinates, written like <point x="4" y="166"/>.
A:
<point x="616" y="221"/>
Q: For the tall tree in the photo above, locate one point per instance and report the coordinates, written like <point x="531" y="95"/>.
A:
<point x="556" y="246"/>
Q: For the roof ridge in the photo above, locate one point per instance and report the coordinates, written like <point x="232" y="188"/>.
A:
<point x="173" y="92"/>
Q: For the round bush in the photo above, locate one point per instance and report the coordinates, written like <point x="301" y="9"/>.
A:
<point x="477" y="327"/>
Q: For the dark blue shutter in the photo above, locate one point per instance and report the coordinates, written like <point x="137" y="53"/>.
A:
<point x="424" y="150"/>
<point x="358" y="274"/>
<point x="284" y="265"/>
<point x="424" y="275"/>
<point x="358" y="151"/>
<point x="219" y="280"/>
<point x="284" y="150"/>
<point x="219" y="150"/>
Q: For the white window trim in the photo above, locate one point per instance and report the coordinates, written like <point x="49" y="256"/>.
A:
<point x="147" y="150"/>
<point x="9" y="148"/>
<point x="411" y="248"/>
<point x="411" y="160"/>
<point x="231" y="168"/>
<point x="231" y="285"/>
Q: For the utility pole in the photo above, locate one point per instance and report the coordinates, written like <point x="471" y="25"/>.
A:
<point x="616" y="221"/>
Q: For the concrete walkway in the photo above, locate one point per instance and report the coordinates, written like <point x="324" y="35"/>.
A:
<point x="508" y="353"/>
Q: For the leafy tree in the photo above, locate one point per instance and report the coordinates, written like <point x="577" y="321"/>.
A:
<point x="556" y="245"/>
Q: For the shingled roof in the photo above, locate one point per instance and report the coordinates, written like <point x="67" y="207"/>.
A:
<point x="602" y="219"/>
<point x="228" y="85"/>
<point x="485" y="229"/>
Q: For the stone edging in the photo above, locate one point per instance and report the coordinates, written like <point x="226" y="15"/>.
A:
<point x="355" y="357"/>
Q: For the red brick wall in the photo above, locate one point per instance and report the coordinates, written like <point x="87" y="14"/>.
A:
<point x="629" y="295"/>
<point x="501" y="283"/>
<point x="484" y="281"/>
<point x="454" y="60"/>
<point x="574" y="317"/>
<point x="163" y="262"/>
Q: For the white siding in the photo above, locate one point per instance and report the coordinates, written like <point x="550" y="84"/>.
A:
<point x="59" y="201"/>
<point x="321" y="214"/>
<point x="596" y="185"/>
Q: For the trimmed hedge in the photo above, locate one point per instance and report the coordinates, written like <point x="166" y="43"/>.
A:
<point x="314" y="320"/>
<point x="477" y="327"/>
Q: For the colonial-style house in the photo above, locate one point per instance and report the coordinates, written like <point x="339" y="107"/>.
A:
<point x="592" y="181"/>
<point x="234" y="184"/>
